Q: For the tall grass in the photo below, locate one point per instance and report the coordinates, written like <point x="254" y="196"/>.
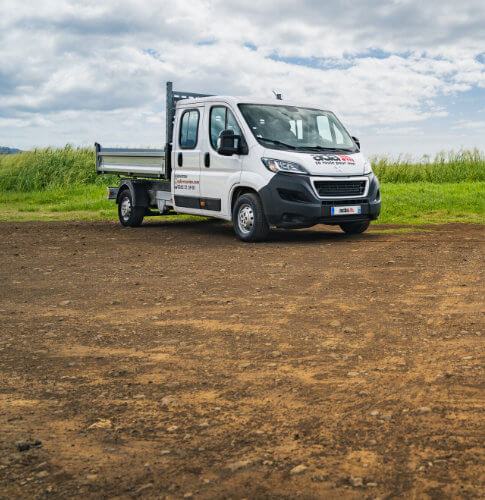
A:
<point x="45" y="169"/>
<point x="49" y="168"/>
<point x="461" y="166"/>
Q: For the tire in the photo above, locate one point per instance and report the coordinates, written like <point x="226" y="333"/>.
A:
<point x="129" y="215"/>
<point x="248" y="218"/>
<point x="355" y="227"/>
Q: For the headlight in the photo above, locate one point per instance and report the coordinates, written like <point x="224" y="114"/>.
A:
<point x="367" y="167"/>
<point x="283" y="166"/>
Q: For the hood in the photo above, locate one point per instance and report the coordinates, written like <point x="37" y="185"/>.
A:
<point x="331" y="164"/>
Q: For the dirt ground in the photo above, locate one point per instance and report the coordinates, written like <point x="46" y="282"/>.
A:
<point x="173" y="361"/>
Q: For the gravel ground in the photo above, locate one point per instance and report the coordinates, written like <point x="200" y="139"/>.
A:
<point x="173" y="361"/>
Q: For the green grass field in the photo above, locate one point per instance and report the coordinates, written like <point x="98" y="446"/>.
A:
<point x="61" y="184"/>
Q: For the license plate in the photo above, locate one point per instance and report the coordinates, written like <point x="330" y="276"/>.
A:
<point x="351" y="210"/>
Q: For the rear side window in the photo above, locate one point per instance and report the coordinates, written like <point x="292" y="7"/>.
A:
<point x="221" y="118"/>
<point x="189" y="126"/>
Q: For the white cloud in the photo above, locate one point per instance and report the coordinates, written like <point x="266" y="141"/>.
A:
<point x="397" y="131"/>
<point x="79" y="70"/>
<point x="466" y="125"/>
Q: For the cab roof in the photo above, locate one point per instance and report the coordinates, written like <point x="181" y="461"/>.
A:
<point x="235" y="100"/>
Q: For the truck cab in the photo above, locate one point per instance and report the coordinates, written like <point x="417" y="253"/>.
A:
<point x="257" y="163"/>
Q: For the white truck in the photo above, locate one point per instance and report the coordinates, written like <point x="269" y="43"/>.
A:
<point x="257" y="163"/>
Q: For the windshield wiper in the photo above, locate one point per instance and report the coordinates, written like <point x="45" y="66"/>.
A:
<point x="278" y="143"/>
<point x="303" y="148"/>
<point x="322" y="148"/>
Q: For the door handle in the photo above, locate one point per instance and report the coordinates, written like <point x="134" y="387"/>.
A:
<point x="180" y="160"/>
<point x="207" y="160"/>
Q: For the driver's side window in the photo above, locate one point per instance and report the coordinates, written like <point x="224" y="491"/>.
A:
<point x="221" y="118"/>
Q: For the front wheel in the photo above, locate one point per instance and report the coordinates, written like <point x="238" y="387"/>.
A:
<point x="129" y="215"/>
<point x="355" y="227"/>
<point x="248" y="218"/>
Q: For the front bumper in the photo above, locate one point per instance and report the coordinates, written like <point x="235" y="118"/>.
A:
<point x="290" y="201"/>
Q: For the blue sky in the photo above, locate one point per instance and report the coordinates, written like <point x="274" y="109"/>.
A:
<point x="407" y="77"/>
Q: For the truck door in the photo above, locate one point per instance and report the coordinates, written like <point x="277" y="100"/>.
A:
<point x="218" y="174"/>
<point x="186" y="160"/>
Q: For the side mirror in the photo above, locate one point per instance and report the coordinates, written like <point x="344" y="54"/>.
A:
<point x="228" y="143"/>
<point x="356" y="141"/>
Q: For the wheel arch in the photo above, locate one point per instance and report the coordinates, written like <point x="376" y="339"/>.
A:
<point x="239" y="191"/>
<point x="138" y="191"/>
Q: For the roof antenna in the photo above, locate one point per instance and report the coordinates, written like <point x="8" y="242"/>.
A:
<point x="278" y="96"/>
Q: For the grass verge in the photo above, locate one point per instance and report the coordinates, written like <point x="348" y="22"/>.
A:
<point x="402" y="203"/>
<point x="431" y="203"/>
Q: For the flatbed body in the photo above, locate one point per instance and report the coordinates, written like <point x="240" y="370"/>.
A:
<point x="131" y="162"/>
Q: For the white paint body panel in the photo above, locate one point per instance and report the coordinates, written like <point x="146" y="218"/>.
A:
<point x="226" y="173"/>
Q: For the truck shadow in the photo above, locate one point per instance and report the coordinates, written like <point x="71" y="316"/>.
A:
<point x="214" y="228"/>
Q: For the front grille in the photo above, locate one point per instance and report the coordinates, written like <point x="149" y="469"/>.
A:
<point x="340" y="188"/>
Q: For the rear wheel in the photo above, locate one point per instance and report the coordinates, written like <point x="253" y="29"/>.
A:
<point x="248" y="218"/>
<point x="355" y="227"/>
<point x="128" y="214"/>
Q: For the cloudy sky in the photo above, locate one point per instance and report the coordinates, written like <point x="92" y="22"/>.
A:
<point x="406" y="76"/>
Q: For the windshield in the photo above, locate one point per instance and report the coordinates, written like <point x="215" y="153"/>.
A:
<point x="290" y="127"/>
